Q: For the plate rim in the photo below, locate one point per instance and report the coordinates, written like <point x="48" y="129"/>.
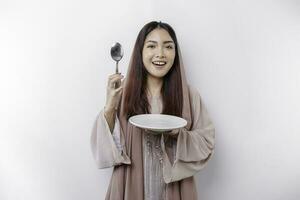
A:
<point x="156" y="128"/>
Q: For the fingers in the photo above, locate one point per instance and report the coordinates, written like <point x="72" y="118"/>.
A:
<point x="174" y="133"/>
<point x="114" y="78"/>
<point x="119" y="89"/>
<point x="152" y="132"/>
<point x="115" y="92"/>
<point x="114" y="75"/>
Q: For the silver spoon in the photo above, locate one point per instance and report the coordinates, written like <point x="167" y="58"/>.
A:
<point x="116" y="53"/>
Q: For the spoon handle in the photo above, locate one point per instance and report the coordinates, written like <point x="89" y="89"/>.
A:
<point x="117" y="67"/>
<point x="117" y="84"/>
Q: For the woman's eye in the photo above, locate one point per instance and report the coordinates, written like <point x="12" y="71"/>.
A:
<point x="150" y="46"/>
<point x="170" y="47"/>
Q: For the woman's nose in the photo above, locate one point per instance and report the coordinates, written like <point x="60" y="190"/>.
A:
<point x="160" y="53"/>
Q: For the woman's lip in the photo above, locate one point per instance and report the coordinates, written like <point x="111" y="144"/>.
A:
<point x="159" y="62"/>
<point x="159" y="66"/>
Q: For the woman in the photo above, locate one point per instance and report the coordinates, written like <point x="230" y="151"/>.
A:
<point x="150" y="166"/>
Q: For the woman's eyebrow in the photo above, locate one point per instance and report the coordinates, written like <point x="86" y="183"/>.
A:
<point x="165" y="42"/>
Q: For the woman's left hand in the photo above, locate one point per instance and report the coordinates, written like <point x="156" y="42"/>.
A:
<point x="173" y="133"/>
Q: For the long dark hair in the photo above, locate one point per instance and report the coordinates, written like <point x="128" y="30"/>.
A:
<point x="135" y="97"/>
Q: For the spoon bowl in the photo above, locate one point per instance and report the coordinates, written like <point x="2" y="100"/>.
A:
<point x="116" y="53"/>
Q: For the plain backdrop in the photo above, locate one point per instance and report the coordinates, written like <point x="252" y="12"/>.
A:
<point x="242" y="56"/>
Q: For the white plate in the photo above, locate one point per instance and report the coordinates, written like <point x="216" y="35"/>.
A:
<point x="157" y="122"/>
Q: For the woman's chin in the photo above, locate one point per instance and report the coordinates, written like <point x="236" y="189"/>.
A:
<point x="158" y="74"/>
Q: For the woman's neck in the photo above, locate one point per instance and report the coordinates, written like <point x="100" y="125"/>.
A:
<point x="154" y="85"/>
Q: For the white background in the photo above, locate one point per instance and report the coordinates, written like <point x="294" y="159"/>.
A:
<point x="243" y="57"/>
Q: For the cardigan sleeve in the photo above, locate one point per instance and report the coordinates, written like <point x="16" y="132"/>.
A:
<point x="193" y="148"/>
<point x="116" y="135"/>
<point x="106" y="147"/>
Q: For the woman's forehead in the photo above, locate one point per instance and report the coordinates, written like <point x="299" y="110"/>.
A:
<point x="159" y="35"/>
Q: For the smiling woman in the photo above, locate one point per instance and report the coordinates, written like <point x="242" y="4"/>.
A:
<point x="158" y="53"/>
<point x="157" y="73"/>
<point x="146" y="165"/>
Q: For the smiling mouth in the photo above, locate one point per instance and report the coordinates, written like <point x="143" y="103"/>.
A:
<point x="159" y="63"/>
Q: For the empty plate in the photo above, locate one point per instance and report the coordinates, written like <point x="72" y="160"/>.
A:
<point x="157" y="122"/>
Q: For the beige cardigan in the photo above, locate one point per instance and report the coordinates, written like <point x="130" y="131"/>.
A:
<point x="194" y="145"/>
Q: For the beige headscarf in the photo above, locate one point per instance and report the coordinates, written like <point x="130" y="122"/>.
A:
<point x="127" y="180"/>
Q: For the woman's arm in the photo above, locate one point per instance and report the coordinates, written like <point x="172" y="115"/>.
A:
<point x="105" y="144"/>
<point x="194" y="147"/>
<point x="110" y="115"/>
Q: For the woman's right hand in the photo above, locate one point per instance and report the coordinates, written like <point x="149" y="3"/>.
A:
<point x="113" y="95"/>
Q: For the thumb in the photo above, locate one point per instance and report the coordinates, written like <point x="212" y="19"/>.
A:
<point x="119" y="89"/>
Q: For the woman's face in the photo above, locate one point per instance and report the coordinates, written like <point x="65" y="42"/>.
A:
<point x="158" y="52"/>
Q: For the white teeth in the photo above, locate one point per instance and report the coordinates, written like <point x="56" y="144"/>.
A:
<point x="159" y="63"/>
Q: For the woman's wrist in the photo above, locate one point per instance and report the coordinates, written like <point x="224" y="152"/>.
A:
<point x="109" y="110"/>
<point x="109" y="115"/>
